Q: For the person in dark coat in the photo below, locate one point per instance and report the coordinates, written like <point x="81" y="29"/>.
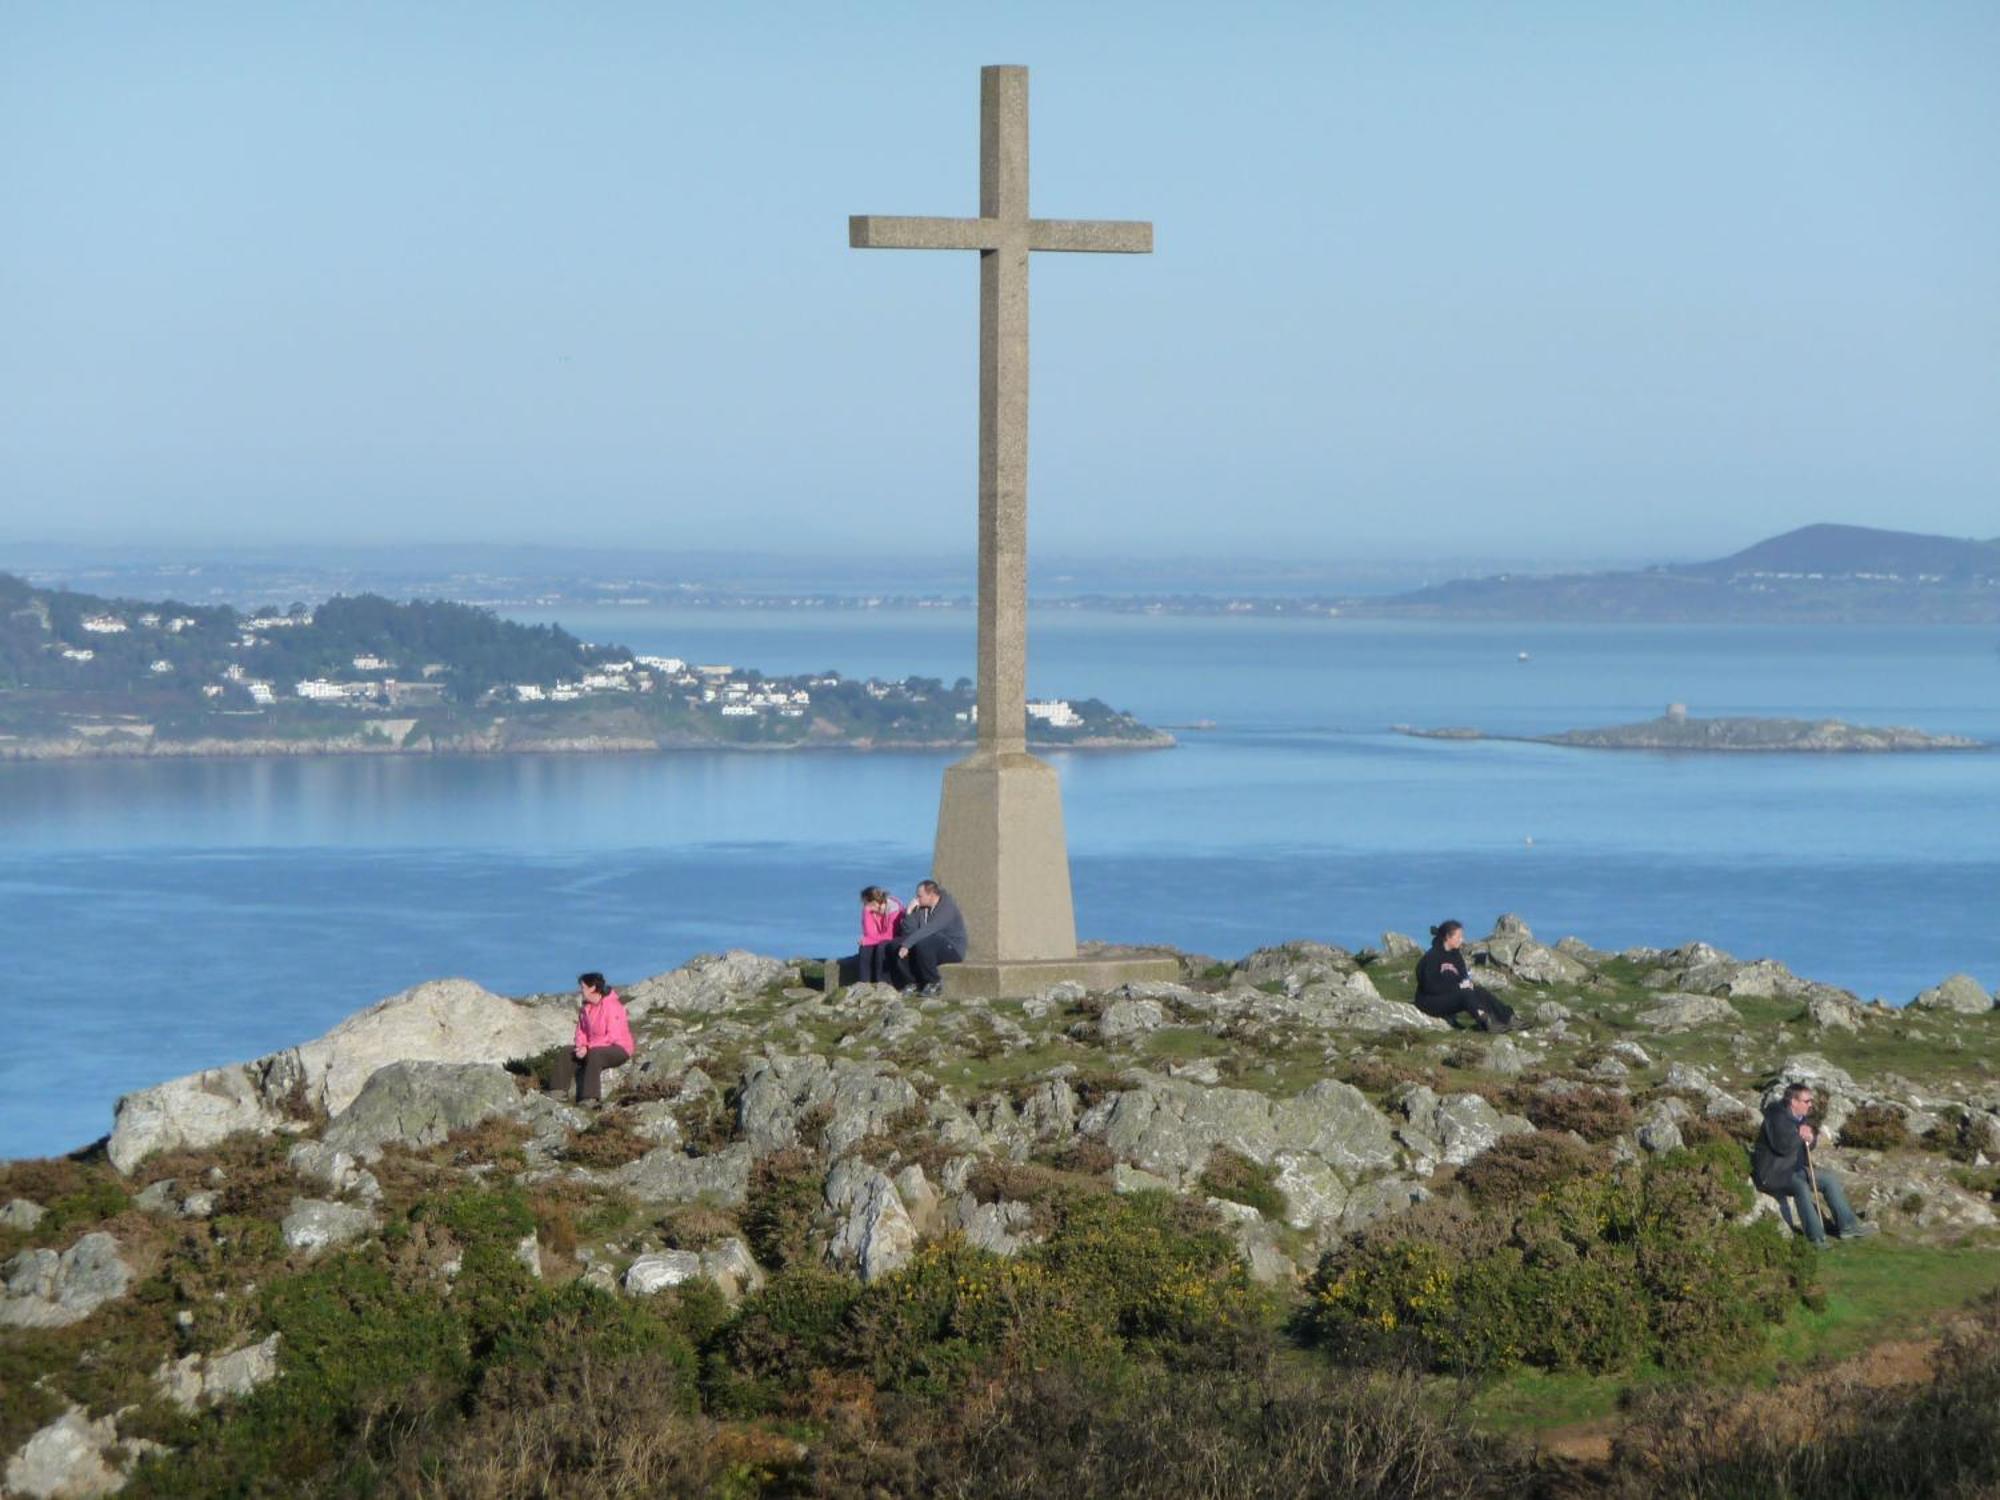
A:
<point x="1778" y="1163"/>
<point x="1444" y="983"/>
<point x="931" y="934"/>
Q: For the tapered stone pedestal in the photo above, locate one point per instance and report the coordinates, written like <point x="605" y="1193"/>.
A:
<point x="1002" y="855"/>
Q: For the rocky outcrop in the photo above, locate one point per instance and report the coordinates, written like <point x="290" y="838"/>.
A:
<point x="1169" y="1127"/>
<point x="1834" y="1010"/>
<point x="855" y="1099"/>
<point x="1961" y="994"/>
<point x="446" y="1020"/>
<point x="875" y="1233"/>
<point x="1295" y="965"/>
<point x="1513" y="947"/>
<point x="45" y="1289"/>
<point x="194" y="1112"/>
<point x="1451" y="1130"/>
<point x="712" y="983"/>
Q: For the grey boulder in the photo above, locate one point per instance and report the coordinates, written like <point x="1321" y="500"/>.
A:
<point x="1125" y="1019"/>
<point x="1961" y="994"/>
<point x="47" y="1290"/>
<point x="669" y="1175"/>
<point x="314" y="1224"/>
<point x="1683" y="1011"/>
<point x="419" y="1104"/>
<point x="873" y="1230"/>
<point x="69" y="1459"/>
<point x="204" y="1379"/>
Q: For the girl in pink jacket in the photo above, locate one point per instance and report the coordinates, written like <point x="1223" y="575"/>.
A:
<point x="603" y="1040"/>
<point x="879" y="911"/>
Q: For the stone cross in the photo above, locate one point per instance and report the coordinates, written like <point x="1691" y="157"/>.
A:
<point x="1000" y="847"/>
<point x="1003" y="234"/>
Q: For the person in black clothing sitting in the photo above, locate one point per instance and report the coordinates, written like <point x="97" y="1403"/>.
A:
<point x="930" y="934"/>
<point x="1444" y="983"/>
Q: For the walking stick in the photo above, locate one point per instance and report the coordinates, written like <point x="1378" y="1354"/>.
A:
<point x="1812" y="1178"/>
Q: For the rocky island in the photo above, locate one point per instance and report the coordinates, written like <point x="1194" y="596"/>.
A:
<point x="1675" y="730"/>
<point x="83" y="677"/>
<point x="1198" y="1237"/>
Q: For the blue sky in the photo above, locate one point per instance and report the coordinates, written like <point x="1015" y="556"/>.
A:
<point x="1517" y="282"/>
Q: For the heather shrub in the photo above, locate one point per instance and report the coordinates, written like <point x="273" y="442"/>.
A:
<point x="539" y="1071"/>
<point x="1520" y="1167"/>
<point x="1233" y="1176"/>
<point x="1596" y="1272"/>
<point x="782" y="1207"/>
<point x="779" y="1334"/>
<point x="606" y="1142"/>
<point x="1593" y="1113"/>
<point x="1875" y="1127"/>
<point x="1163" y="1434"/>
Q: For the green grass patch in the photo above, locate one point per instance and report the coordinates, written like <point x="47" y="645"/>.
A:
<point x="1178" y="1044"/>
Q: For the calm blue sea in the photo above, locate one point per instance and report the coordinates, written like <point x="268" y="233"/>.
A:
<point x="160" y="917"/>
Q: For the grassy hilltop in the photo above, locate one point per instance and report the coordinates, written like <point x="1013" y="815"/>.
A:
<point x="1266" y="1231"/>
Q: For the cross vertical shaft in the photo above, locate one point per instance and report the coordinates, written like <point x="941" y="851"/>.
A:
<point x="1003" y="411"/>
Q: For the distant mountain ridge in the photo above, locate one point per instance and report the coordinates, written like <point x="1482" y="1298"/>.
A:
<point x="1822" y="573"/>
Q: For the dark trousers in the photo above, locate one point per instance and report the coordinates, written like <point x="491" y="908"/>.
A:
<point x="876" y="963"/>
<point x="585" y="1074"/>
<point x="925" y="960"/>
<point x="1485" y="1007"/>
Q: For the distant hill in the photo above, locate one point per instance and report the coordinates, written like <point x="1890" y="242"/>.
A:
<point x="1859" y="552"/>
<point x="1816" y="574"/>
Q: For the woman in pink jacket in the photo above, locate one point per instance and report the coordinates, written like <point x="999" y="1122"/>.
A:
<point x="603" y="1040"/>
<point x="879" y="911"/>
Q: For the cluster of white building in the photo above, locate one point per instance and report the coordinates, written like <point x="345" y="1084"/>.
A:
<point x="114" y="625"/>
<point x="714" y="686"/>
<point x="1057" y="713"/>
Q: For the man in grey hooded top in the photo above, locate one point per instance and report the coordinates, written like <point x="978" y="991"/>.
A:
<point x="932" y="935"/>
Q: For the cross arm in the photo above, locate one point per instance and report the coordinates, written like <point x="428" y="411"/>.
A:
<point x="1112" y="236"/>
<point x="889" y="232"/>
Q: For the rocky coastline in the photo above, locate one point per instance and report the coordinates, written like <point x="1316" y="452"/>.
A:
<point x="771" y="1132"/>
<point x="101" y="748"/>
